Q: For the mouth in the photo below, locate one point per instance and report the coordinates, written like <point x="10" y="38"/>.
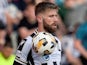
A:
<point x="54" y="25"/>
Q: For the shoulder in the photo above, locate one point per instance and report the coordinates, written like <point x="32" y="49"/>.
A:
<point x="13" y="56"/>
<point x="28" y="38"/>
<point x="82" y="28"/>
<point x="57" y="39"/>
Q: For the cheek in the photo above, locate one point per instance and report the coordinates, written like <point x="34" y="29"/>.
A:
<point x="2" y="34"/>
<point x="23" y="32"/>
<point x="49" y="21"/>
<point x="8" y="52"/>
<point x="26" y="13"/>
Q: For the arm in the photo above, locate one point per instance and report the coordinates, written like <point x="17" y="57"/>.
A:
<point x="68" y="49"/>
<point x="72" y="59"/>
<point x="16" y="63"/>
<point x="23" y="51"/>
<point x="80" y="34"/>
<point x="78" y="45"/>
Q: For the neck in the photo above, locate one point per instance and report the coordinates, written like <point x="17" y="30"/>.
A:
<point x="41" y="28"/>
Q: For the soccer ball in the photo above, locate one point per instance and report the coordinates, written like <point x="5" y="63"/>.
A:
<point x="44" y="43"/>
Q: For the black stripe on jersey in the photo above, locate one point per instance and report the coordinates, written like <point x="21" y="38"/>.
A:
<point x="32" y="35"/>
<point x="21" y="46"/>
<point x="44" y="64"/>
<point x="54" y="63"/>
<point x="29" y="58"/>
<point x="16" y="63"/>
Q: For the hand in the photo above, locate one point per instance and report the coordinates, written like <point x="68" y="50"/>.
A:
<point x="77" y="62"/>
<point x="85" y="55"/>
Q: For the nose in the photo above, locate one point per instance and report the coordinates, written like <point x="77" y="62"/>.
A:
<point x="55" y="19"/>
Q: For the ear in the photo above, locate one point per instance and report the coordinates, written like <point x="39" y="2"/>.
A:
<point x="40" y="23"/>
<point x="39" y="18"/>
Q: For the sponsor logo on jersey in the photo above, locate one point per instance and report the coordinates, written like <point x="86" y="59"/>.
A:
<point x="46" y="57"/>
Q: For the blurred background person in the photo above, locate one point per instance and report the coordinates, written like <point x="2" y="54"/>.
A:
<point x="13" y="17"/>
<point x="81" y="41"/>
<point x="28" y="24"/>
<point x="6" y="56"/>
<point x="29" y="13"/>
<point x="23" y="32"/>
<point x="38" y="1"/>
<point x="21" y="4"/>
<point x="10" y="16"/>
<point x="3" y="5"/>
<point x="71" y="54"/>
<point x="75" y="12"/>
<point x="2" y="34"/>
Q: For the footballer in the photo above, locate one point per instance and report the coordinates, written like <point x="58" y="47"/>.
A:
<point x="47" y="18"/>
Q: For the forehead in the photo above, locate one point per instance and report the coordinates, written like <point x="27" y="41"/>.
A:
<point x="50" y="11"/>
<point x="8" y="48"/>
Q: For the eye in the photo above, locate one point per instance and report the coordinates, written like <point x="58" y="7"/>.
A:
<point x="57" y="16"/>
<point x="51" y="16"/>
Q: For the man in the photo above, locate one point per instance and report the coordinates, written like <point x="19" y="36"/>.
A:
<point x="71" y="54"/>
<point x="75" y="11"/>
<point x="81" y="42"/>
<point x="2" y="34"/>
<point x="47" y="17"/>
<point x="28" y="23"/>
<point x="6" y="57"/>
<point x="29" y="16"/>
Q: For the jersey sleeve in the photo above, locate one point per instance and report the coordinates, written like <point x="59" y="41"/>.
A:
<point x="23" y="51"/>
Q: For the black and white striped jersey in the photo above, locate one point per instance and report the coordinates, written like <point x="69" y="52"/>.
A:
<point x="26" y="56"/>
